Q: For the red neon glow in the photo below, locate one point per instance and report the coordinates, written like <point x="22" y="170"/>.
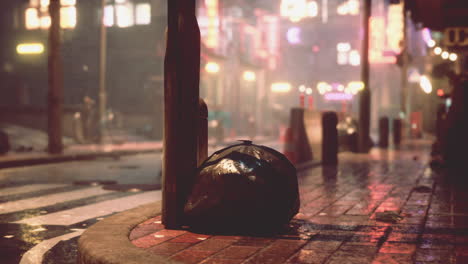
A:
<point x="440" y="92"/>
<point x="302" y="100"/>
<point x="311" y="102"/>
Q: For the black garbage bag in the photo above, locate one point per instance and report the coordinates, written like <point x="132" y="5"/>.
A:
<point x="244" y="187"/>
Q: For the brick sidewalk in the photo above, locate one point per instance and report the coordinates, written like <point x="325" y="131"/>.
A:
<point x="337" y="221"/>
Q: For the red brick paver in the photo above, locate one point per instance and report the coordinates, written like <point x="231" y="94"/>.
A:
<point x="337" y="220"/>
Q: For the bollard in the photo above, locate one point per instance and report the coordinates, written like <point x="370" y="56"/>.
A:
<point x="397" y="125"/>
<point x="383" y="132"/>
<point x="202" y="152"/>
<point x="329" y="138"/>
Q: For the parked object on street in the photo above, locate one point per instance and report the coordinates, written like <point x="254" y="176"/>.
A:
<point x="330" y="138"/>
<point x="383" y="132"/>
<point x="243" y="188"/>
<point x="397" y="126"/>
<point x="4" y="143"/>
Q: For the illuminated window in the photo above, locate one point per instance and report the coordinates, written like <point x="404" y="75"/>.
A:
<point x="109" y="16"/>
<point x="143" y="14"/>
<point x="37" y="14"/>
<point x="349" y="7"/>
<point x="124" y="13"/>
<point x="32" y="18"/>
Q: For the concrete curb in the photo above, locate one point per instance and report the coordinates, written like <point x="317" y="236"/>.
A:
<point x="108" y="242"/>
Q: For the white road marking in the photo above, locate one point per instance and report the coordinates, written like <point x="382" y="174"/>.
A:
<point x="36" y="254"/>
<point x="82" y="213"/>
<point x="29" y="188"/>
<point x="50" y="199"/>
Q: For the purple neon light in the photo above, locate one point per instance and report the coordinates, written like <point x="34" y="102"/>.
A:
<point x="338" y="97"/>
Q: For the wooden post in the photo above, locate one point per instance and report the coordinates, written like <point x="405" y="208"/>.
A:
<point x="181" y="93"/>
<point x="55" y="93"/>
<point x="365" y="95"/>
<point x="202" y="131"/>
<point x="102" y="73"/>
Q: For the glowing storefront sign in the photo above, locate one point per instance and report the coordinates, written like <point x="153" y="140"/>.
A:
<point x="377" y="42"/>
<point x="30" y="48"/>
<point x="338" y="96"/>
<point x="395" y="27"/>
<point x="212" y="13"/>
<point x="294" y="35"/>
<point x="297" y="10"/>
<point x="37" y="14"/>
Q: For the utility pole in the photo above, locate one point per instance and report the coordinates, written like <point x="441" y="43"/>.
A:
<point x="181" y="93"/>
<point x="405" y="97"/>
<point x="102" y="73"/>
<point x="55" y="93"/>
<point x="365" y="95"/>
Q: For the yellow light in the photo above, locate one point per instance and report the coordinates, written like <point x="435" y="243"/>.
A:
<point x="249" y="76"/>
<point x="302" y="88"/>
<point x="32" y="18"/>
<point x="124" y="15"/>
<point x="322" y="87"/>
<point x="30" y="48"/>
<point x="212" y="67"/>
<point x="425" y="84"/>
<point x="44" y="3"/>
<point x="453" y="57"/>
<point x="280" y="87"/>
<point x="45" y="22"/>
<point x="358" y="86"/>
<point x="308" y="91"/>
<point x="437" y="51"/>
<point x="68" y="17"/>
<point x="445" y="55"/>
<point x="68" y="2"/>
<point x="143" y="14"/>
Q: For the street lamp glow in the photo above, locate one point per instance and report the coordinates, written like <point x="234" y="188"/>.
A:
<point x="453" y="57"/>
<point x="437" y="51"/>
<point x="30" y="48"/>
<point x="308" y="91"/>
<point x="249" y="76"/>
<point x="425" y="84"/>
<point x="281" y="87"/>
<point x="212" y="67"/>
<point x="302" y="88"/>
<point x="431" y="43"/>
<point x="343" y="47"/>
<point x="445" y="55"/>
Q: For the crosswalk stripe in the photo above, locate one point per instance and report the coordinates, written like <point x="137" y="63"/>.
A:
<point x="79" y="214"/>
<point x="51" y="199"/>
<point x="36" y="254"/>
<point x="29" y="188"/>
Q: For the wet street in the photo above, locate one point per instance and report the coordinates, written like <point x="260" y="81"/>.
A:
<point x="43" y="205"/>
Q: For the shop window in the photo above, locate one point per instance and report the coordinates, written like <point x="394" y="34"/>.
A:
<point x="123" y="13"/>
<point x="37" y="14"/>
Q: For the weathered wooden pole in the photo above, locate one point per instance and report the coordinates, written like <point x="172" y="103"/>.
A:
<point x="102" y="73"/>
<point x="181" y="93"/>
<point x="55" y="92"/>
<point x="365" y="95"/>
